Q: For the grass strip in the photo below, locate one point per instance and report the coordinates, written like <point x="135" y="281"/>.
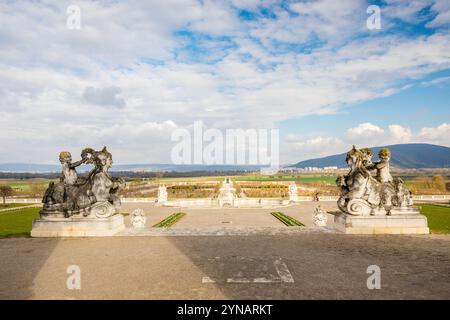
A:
<point x="287" y="220"/>
<point x="438" y="217"/>
<point x="18" y="222"/>
<point x="170" y="220"/>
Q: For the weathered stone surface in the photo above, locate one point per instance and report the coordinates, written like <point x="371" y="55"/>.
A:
<point x="320" y="217"/>
<point x="224" y="231"/>
<point x="138" y="218"/>
<point x="78" y="227"/>
<point x="227" y="194"/>
<point x="293" y="192"/>
<point x="398" y="224"/>
<point x="162" y="193"/>
<point x="375" y="205"/>
<point x="82" y="206"/>
<point x="362" y="194"/>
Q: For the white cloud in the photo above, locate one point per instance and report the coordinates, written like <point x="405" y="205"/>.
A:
<point x="109" y="96"/>
<point x="437" y="135"/>
<point x="369" y="134"/>
<point x="260" y="79"/>
<point x="442" y="8"/>
<point x="405" y="10"/>
<point x="399" y="134"/>
<point x="302" y="149"/>
<point x="364" y="135"/>
<point x="366" y="129"/>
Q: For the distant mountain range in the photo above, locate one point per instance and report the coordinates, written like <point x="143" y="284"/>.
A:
<point x="403" y="156"/>
<point x="46" y="168"/>
<point x="407" y="156"/>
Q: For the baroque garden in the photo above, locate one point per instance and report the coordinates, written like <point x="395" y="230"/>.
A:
<point x="225" y="242"/>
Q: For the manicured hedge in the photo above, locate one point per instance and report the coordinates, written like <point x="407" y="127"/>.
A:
<point x="287" y="220"/>
<point x="170" y="220"/>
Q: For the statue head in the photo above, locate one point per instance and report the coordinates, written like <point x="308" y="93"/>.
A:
<point x="65" y="157"/>
<point x="384" y="154"/>
<point x="367" y="155"/>
<point x="354" y="156"/>
<point x="104" y="159"/>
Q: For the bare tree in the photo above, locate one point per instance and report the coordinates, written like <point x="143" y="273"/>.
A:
<point x="6" y="191"/>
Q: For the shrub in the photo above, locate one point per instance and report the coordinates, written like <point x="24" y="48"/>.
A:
<point x="6" y="191"/>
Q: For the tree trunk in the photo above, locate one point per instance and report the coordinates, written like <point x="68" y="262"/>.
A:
<point x="4" y="199"/>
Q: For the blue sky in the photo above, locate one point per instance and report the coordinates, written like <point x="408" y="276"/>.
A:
<point x="137" y="70"/>
<point x="415" y="107"/>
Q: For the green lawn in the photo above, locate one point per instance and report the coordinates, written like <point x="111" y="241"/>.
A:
<point x="25" y="184"/>
<point x="438" y="217"/>
<point x="17" y="223"/>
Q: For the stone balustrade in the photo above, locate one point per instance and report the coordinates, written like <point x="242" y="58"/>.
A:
<point x="300" y="199"/>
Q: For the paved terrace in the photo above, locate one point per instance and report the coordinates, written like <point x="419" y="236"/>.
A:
<point x="275" y="262"/>
<point x="308" y="265"/>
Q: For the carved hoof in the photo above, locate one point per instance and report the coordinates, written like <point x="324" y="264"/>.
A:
<point x="102" y="210"/>
<point x="358" y="207"/>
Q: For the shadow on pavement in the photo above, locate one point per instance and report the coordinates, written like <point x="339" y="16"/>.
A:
<point x="21" y="260"/>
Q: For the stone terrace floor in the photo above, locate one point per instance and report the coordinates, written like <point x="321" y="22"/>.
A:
<point x="309" y="265"/>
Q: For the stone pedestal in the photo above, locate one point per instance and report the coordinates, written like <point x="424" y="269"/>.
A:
<point x="395" y="224"/>
<point x="78" y="227"/>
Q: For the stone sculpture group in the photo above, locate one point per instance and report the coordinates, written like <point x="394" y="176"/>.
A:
<point x="93" y="196"/>
<point x="365" y="194"/>
<point x="371" y="201"/>
<point x="82" y="206"/>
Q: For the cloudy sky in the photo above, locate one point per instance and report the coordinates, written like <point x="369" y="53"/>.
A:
<point x="137" y="70"/>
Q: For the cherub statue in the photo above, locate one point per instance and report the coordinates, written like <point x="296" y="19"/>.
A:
<point x="56" y="193"/>
<point x="383" y="166"/>
<point x="69" y="174"/>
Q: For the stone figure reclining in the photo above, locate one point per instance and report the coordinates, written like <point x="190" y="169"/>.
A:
<point x="93" y="196"/>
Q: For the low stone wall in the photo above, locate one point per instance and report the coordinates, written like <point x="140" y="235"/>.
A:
<point x="241" y="200"/>
<point x="19" y="208"/>
<point x="191" y="203"/>
<point x="237" y="203"/>
<point x="432" y="198"/>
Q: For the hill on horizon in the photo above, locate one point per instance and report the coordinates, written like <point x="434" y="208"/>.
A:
<point x="407" y="156"/>
<point x="52" y="168"/>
